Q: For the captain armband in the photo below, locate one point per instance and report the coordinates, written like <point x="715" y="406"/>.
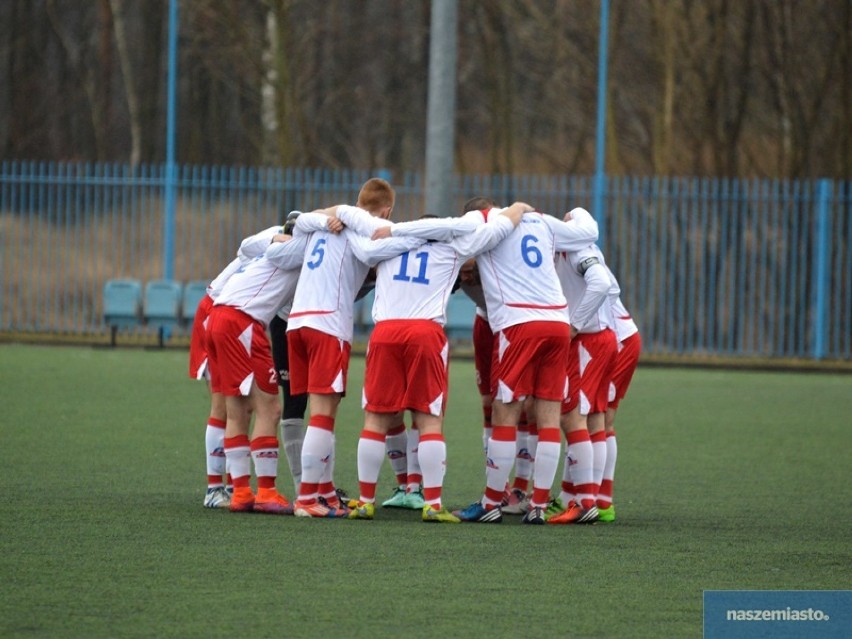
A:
<point x="586" y="264"/>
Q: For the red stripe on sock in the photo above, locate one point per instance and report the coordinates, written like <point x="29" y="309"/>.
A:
<point x="432" y="437"/>
<point x="577" y="436"/>
<point x="550" y="435"/>
<point x="261" y="443"/>
<point x="598" y="437"/>
<point x="396" y="430"/>
<point x="237" y="442"/>
<point x="216" y="423"/>
<point x="503" y="433"/>
<point x="494" y="496"/>
<point x="611" y="434"/>
<point x="368" y="491"/>
<point x="432" y="495"/>
<point x="369" y="434"/>
<point x="266" y="482"/>
<point x="326" y="422"/>
<point x="540" y="496"/>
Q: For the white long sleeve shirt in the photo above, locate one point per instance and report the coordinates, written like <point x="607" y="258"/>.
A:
<point x="250" y="248"/>
<point x="268" y="282"/>
<point x="588" y="285"/>
<point x="417" y="283"/>
<point x="332" y="274"/>
<point x="518" y="275"/>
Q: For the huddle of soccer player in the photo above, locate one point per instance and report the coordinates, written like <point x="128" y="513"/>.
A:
<point x="554" y="349"/>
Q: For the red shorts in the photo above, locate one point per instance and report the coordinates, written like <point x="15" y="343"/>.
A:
<point x="239" y="353"/>
<point x="319" y="362"/>
<point x="590" y="371"/>
<point x="198" y="363"/>
<point x="483" y="354"/>
<point x="531" y="361"/>
<point x="626" y="361"/>
<point x="406" y="367"/>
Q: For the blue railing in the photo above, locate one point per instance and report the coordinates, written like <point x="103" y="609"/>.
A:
<point x="707" y="266"/>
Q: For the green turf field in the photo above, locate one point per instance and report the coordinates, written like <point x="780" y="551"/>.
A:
<point x="726" y="480"/>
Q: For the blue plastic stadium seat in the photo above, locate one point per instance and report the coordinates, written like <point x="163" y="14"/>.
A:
<point x="193" y="293"/>
<point x="161" y="305"/>
<point x="461" y="311"/>
<point x="122" y="305"/>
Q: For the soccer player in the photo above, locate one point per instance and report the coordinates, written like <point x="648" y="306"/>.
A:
<point x="528" y="314"/>
<point x="319" y="336"/>
<point x="407" y="356"/>
<point x="517" y="498"/>
<point x="626" y="361"/>
<point x="587" y="283"/>
<point x="218" y="495"/>
<point x="243" y="371"/>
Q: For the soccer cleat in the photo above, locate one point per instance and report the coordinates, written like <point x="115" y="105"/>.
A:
<point x="271" y="502"/>
<point x="534" y="515"/>
<point x="363" y="510"/>
<point x="343" y="496"/>
<point x="554" y="507"/>
<point x="477" y="513"/>
<point x="397" y="500"/>
<point x="606" y="515"/>
<point x="242" y="501"/>
<point x="217" y="497"/>
<point x="575" y="513"/>
<point x="318" y="510"/>
<point x="441" y="516"/>
<point x="329" y="502"/>
<point x="517" y="503"/>
<point x="414" y="500"/>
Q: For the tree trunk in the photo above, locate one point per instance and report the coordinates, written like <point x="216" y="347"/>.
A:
<point x="129" y="80"/>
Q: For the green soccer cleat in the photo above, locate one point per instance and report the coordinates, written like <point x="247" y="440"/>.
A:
<point x="606" y="515"/>
<point x="554" y="507"/>
<point x="363" y="510"/>
<point x="397" y="500"/>
<point x="442" y="516"/>
<point x="414" y="500"/>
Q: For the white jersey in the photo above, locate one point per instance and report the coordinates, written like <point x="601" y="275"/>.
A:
<point x="417" y="284"/>
<point x="262" y="286"/>
<point x="215" y="287"/>
<point x="250" y="248"/>
<point x="517" y="273"/>
<point x="587" y="284"/>
<point x="331" y="274"/>
<point x="624" y="324"/>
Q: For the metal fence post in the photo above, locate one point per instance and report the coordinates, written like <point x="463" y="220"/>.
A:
<point x="821" y="260"/>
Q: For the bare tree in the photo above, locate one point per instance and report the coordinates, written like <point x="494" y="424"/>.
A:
<point x="133" y="106"/>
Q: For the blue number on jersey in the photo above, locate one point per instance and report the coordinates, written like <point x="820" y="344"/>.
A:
<point x="403" y="275"/>
<point x="318" y="253"/>
<point x="531" y="255"/>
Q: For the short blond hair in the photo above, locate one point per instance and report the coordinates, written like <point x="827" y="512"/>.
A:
<point x="376" y="194"/>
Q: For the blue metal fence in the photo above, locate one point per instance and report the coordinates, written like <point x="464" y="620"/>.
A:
<point x="707" y="266"/>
